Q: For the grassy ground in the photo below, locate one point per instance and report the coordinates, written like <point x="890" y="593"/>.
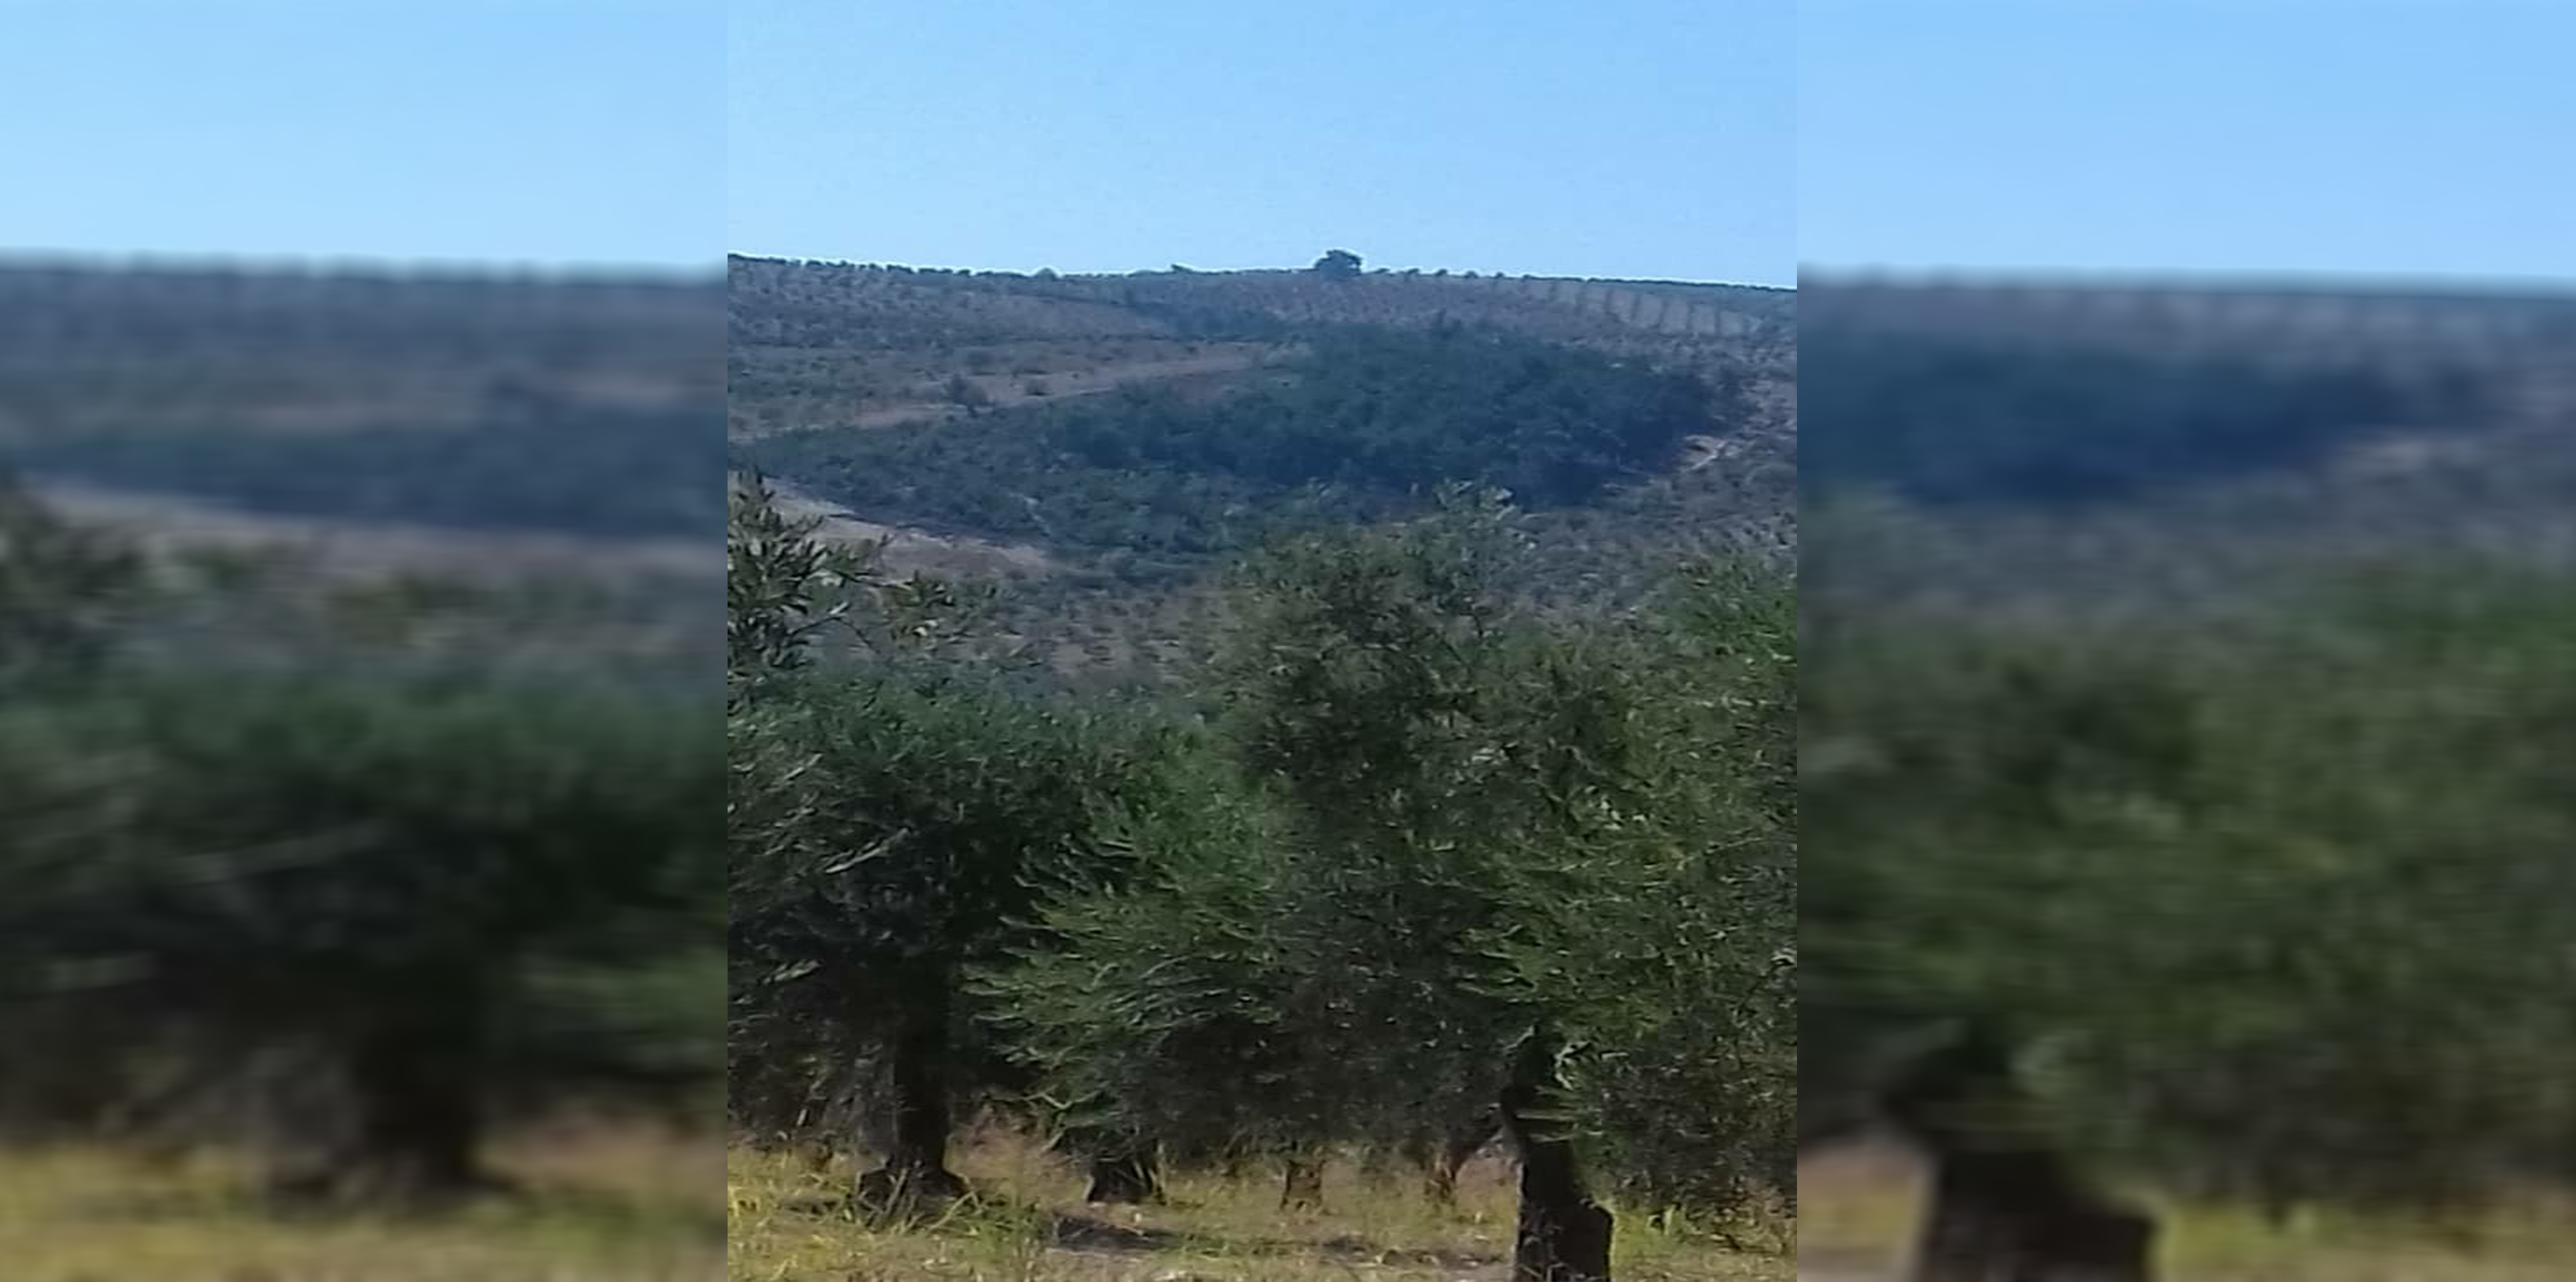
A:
<point x="789" y="1225"/>
<point x="1857" y="1211"/>
<point x="602" y="1207"/>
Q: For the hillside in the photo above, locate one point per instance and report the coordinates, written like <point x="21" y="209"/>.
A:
<point x="2170" y="659"/>
<point x="90" y="344"/>
<point x="1108" y="445"/>
<point x="545" y="443"/>
<point x="2002" y="444"/>
<point x="805" y="303"/>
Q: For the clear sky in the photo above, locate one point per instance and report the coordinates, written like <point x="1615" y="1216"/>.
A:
<point x="552" y="132"/>
<point x="1644" y="138"/>
<point x="2388" y="137"/>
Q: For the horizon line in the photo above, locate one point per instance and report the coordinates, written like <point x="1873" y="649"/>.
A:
<point x="1381" y="269"/>
<point x="2216" y="279"/>
<point x="336" y="265"/>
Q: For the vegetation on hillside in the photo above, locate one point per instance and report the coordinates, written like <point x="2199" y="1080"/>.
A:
<point x="1409" y="866"/>
<point x="2199" y="906"/>
<point x="87" y="345"/>
<point x="560" y="468"/>
<point x="452" y="400"/>
<point x="359" y="875"/>
<point x="855" y="305"/>
<point x="1359" y="429"/>
<point x="373" y="912"/>
<point x="1953" y="420"/>
<point x="2102" y="898"/>
<point x="1214" y="423"/>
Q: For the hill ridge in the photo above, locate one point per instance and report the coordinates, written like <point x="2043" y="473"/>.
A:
<point x="1665" y="307"/>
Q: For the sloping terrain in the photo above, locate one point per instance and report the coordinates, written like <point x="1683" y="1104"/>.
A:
<point x="2001" y="445"/>
<point x="806" y="303"/>
<point x="800" y="389"/>
<point x="317" y="432"/>
<point x="85" y="345"/>
<point x="1110" y="444"/>
<point x="2095" y="509"/>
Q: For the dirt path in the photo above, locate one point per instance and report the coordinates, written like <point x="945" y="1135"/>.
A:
<point x="1840" y="1271"/>
<point x="908" y="549"/>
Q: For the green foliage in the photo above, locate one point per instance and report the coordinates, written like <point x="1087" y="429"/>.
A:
<point x="1419" y="821"/>
<point x="639" y="473"/>
<point x="204" y="870"/>
<point x="783" y="589"/>
<point x="2278" y="911"/>
<point x="1315" y="898"/>
<point x="1338" y="264"/>
<point x="1174" y="1008"/>
<point x="792" y="600"/>
<point x="474" y="819"/>
<point x="1664" y="936"/>
<point x="892" y="821"/>
<point x="927" y="811"/>
<point x="925" y="822"/>
<point x="1438" y="826"/>
<point x="283" y="864"/>
<point x="1365" y="427"/>
<point x="1963" y="420"/>
<point x="966" y="395"/>
<point x="66" y="592"/>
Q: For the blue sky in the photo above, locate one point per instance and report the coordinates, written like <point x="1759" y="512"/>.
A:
<point x="2385" y="137"/>
<point x="552" y="132"/>
<point x="1649" y="138"/>
<point x="1630" y="137"/>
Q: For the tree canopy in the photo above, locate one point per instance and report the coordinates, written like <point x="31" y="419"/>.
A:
<point x="2275" y="912"/>
<point x="1338" y="264"/>
<point x="435" y="898"/>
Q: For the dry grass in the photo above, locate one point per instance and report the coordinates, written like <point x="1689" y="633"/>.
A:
<point x="789" y="1224"/>
<point x="1857" y="1210"/>
<point x="599" y="1207"/>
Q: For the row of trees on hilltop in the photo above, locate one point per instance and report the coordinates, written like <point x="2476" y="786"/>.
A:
<point x="1404" y="863"/>
<point x="110" y="322"/>
<point x="373" y="916"/>
<point x="833" y="305"/>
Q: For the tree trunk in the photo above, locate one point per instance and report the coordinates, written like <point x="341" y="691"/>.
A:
<point x="1564" y="1236"/>
<point x="1783" y="1174"/>
<point x="916" y="1171"/>
<point x="2019" y="1217"/>
<point x="1124" y="1174"/>
<point x="1122" y="1168"/>
<point x="413" y="1072"/>
<point x="2005" y="1207"/>
<point x="1457" y="1148"/>
<point x="818" y="1152"/>
<point x="1440" y="1181"/>
<point x="1302" y="1189"/>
